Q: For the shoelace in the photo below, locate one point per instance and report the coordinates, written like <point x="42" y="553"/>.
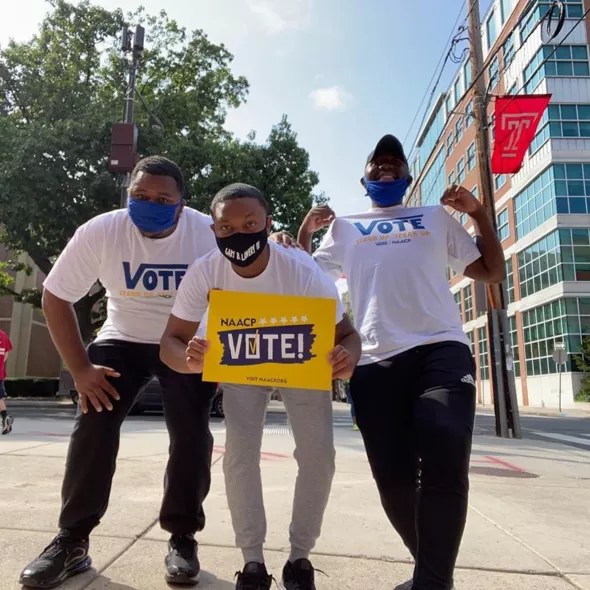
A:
<point x="58" y="544"/>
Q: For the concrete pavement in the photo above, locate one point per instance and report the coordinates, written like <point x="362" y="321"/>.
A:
<point x="528" y="521"/>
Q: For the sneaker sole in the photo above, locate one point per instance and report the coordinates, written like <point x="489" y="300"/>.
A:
<point x="182" y="579"/>
<point x="8" y="427"/>
<point x="79" y="568"/>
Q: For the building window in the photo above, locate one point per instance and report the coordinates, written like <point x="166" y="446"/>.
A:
<point x="470" y="338"/>
<point x="491" y="30"/>
<point x="459" y="129"/>
<point x="559" y="121"/>
<point x="499" y="181"/>
<point x="458" y="90"/>
<point x="449" y="104"/>
<point x="469" y="117"/>
<point x="574" y="248"/>
<point x="457" y="297"/>
<point x="484" y="363"/>
<point x="450" y="144"/>
<point x="452" y="179"/>
<point x="572" y="188"/>
<point x="503" y="225"/>
<point x="431" y="136"/>
<point x="565" y="320"/>
<point x="563" y="255"/>
<point x="514" y="343"/>
<point x="492" y="128"/>
<point x="508" y="51"/>
<point x="468" y="303"/>
<point x="461" y="171"/>
<point x="568" y="61"/>
<point x="471" y="157"/>
<point x="574" y="9"/>
<point x="467" y="74"/>
<point x="539" y="266"/>
<point x="494" y="73"/>
<point x="509" y="280"/>
<point x="505" y="10"/>
<point x="535" y="204"/>
<point x="433" y="182"/>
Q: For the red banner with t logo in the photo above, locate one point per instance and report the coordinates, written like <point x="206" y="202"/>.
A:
<point x="517" y="120"/>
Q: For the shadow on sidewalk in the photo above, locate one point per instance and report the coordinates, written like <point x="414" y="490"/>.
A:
<point x="207" y="580"/>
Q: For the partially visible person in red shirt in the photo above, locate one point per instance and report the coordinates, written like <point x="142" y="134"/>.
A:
<point x="5" y="348"/>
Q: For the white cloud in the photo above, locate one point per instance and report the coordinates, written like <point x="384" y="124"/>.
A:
<point x="277" y="16"/>
<point x="335" y="98"/>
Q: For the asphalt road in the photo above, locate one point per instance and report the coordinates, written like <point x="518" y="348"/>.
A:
<point x="565" y="430"/>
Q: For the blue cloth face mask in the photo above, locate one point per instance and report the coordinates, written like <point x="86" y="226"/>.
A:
<point x="150" y="217"/>
<point x="387" y="193"/>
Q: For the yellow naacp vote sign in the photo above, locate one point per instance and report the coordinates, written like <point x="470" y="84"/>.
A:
<point x="270" y="340"/>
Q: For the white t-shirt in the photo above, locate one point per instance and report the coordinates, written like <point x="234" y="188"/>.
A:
<point x="395" y="262"/>
<point x="290" y="271"/>
<point x="141" y="275"/>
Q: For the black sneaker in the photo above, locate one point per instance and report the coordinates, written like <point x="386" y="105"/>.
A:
<point x="182" y="561"/>
<point x="254" y="577"/>
<point x="7" y="424"/>
<point x="62" y="558"/>
<point x="299" y="575"/>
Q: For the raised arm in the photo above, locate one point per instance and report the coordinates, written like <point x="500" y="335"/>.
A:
<point x="490" y="266"/>
<point x="315" y="220"/>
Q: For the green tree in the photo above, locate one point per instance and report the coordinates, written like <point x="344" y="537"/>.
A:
<point x="583" y="363"/>
<point x="61" y="92"/>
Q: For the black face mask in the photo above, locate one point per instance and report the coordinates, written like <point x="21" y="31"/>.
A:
<point x="243" y="249"/>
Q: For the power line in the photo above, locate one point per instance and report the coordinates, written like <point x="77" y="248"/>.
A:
<point x="443" y="60"/>
<point x="491" y="56"/>
<point x="547" y="16"/>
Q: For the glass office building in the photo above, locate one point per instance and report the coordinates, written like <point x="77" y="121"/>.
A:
<point x="543" y="212"/>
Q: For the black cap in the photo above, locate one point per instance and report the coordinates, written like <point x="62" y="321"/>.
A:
<point x="389" y="145"/>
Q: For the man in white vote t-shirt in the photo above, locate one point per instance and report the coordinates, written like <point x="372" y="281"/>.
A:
<point x="139" y="255"/>
<point x="245" y="262"/>
<point x="414" y="388"/>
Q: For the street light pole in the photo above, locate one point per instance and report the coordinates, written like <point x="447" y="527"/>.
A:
<point x="503" y="382"/>
<point x="136" y="50"/>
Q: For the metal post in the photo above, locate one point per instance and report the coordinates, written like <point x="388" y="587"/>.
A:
<point x="136" y="51"/>
<point x="559" y="371"/>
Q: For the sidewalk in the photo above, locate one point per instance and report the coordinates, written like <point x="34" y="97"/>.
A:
<point x="528" y="521"/>
<point x="580" y="410"/>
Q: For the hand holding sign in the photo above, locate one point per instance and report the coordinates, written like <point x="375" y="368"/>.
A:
<point x="195" y="354"/>
<point x="342" y="363"/>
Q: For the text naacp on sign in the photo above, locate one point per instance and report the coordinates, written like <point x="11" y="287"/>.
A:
<point x="274" y="340"/>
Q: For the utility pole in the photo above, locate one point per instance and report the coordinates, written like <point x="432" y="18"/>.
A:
<point x="124" y="135"/>
<point x="503" y="383"/>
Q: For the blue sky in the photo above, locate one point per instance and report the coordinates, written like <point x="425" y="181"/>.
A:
<point x="345" y="72"/>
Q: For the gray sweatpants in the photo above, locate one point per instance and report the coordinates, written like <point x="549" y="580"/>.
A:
<point x="310" y="415"/>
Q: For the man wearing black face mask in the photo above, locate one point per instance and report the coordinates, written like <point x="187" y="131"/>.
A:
<point x="414" y="389"/>
<point x="140" y="255"/>
<point x="245" y="262"/>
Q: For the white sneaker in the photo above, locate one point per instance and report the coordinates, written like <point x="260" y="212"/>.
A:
<point x="7" y="425"/>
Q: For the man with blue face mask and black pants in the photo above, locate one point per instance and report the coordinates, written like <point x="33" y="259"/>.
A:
<point x="139" y="255"/>
<point x="414" y="388"/>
